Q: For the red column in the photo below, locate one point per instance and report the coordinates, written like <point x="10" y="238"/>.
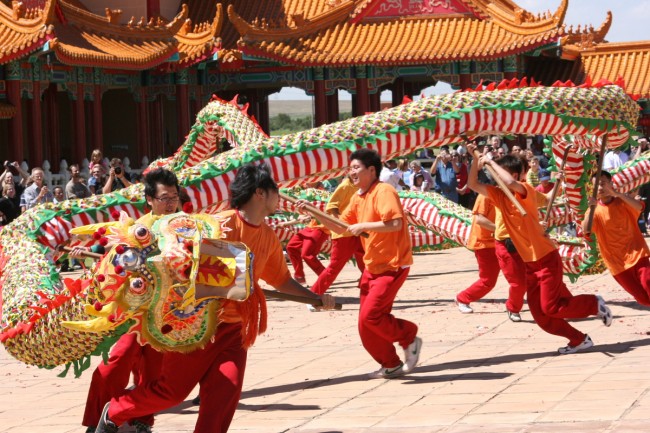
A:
<point x="263" y="111"/>
<point x="398" y="92"/>
<point x="362" y="105"/>
<point x="98" y="119"/>
<point x="320" y="103"/>
<point x="375" y="101"/>
<point x="36" y="127"/>
<point x="183" y="110"/>
<point x="53" y="150"/>
<point x="80" y="125"/>
<point x="333" y="107"/>
<point x="144" y="140"/>
<point x="16" y="137"/>
<point x="157" y="136"/>
<point x="465" y="81"/>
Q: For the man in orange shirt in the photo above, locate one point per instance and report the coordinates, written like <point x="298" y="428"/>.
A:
<point x="219" y="366"/>
<point x="377" y="210"/>
<point x="343" y="246"/>
<point x="621" y="244"/>
<point x="493" y="255"/>
<point x="549" y="299"/>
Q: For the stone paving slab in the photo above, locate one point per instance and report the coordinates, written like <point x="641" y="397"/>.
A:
<point x="478" y="372"/>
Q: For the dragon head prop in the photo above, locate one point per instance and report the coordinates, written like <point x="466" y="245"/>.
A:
<point x="168" y="277"/>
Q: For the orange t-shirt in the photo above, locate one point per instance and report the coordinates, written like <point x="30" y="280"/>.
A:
<point x="315" y="224"/>
<point x="268" y="258"/>
<point x="525" y="231"/>
<point x="617" y="233"/>
<point x="501" y="232"/>
<point x="480" y="238"/>
<point x="340" y="200"/>
<point x="383" y="251"/>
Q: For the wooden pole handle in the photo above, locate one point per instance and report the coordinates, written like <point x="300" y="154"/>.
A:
<point x="88" y="254"/>
<point x="556" y="187"/>
<point x="594" y="194"/>
<point x="319" y="214"/>
<point x="295" y="298"/>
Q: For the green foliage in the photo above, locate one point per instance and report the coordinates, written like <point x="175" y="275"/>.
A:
<point x="283" y="124"/>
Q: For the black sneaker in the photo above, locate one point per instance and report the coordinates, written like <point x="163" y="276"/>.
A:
<point x="91" y="429"/>
<point x="196" y="401"/>
<point x="105" y="424"/>
<point x="141" y="427"/>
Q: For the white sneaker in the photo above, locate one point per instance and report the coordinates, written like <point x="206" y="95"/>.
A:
<point x="412" y="354"/>
<point x="387" y="373"/>
<point x="464" y="308"/>
<point x="586" y="344"/>
<point x="312" y="309"/>
<point x="515" y="317"/>
<point x="604" y="313"/>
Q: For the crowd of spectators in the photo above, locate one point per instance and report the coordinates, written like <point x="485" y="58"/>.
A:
<point x="22" y="190"/>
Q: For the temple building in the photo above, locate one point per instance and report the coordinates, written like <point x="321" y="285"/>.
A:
<point x="128" y="76"/>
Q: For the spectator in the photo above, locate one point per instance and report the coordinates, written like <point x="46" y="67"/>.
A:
<point x="404" y="172"/>
<point x="37" y="192"/>
<point x="465" y="194"/>
<point x="545" y="184"/>
<point x="416" y="167"/>
<point x="614" y="158"/>
<point x="117" y="177"/>
<point x="418" y="182"/>
<point x="76" y="188"/>
<point x="97" y="180"/>
<point x="59" y="195"/>
<point x="389" y="176"/>
<point x="532" y="176"/>
<point x="7" y="211"/>
<point x="445" y="171"/>
<point x="96" y="158"/>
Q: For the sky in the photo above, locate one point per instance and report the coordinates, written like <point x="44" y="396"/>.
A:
<point x="630" y="22"/>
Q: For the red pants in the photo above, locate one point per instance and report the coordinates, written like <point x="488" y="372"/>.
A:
<point x="514" y="269"/>
<point x="636" y="281"/>
<point x="342" y="250"/>
<point x="378" y="328"/>
<point x="110" y="380"/>
<point x="306" y="244"/>
<point x="551" y="302"/>
<point x="218" y="368"/>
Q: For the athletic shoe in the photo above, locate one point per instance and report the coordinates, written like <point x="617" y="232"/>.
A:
<point x="196" y="400"/>
<point x="586" y="344"/>
<point x="312" y="309"/>
<point x="141" y="427"/>
<point x="515" y="317"/>
<point x="412" y="354"/>
<point x="91" y="429"/>
<point x="464" y="308"/>
<point x="604" y="312"/>
<point x="301" y="280"/>
<point x="388" y="373"/>
<point x="105" y="424"/>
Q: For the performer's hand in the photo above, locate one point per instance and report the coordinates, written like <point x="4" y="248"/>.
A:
<point x="78" y="252"/>
<point x="301" y="206"/>
<point x="356" y="229"/>
<point x="329" y="301"/>
<point x="592" y="201"/>
<point x="471" y="147"/>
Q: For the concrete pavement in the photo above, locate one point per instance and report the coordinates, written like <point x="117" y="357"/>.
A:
<point x="478" y="372"/>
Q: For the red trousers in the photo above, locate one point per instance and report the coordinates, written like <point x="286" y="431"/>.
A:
<point x="514" y="269"/>
<point x="342" y="250"/>
<point x="219" y="369"/>
<point x="636" y="281"/>
<point x="111" y="379"/>
<point x="305" y="245"/>
<point x="378" y="328"/>
<point x="551" y="302"/>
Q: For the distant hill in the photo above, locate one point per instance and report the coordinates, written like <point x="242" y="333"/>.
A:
<point x="301" y="108"/>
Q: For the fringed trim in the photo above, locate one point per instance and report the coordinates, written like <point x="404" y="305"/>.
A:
<point x="253" y="317"/>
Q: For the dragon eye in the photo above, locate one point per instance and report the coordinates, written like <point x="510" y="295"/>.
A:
<point x="138" y="286"/>
<point x="143" y="235"/>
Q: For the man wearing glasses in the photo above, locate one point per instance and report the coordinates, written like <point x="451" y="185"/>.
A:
<point x="109" y="380"/>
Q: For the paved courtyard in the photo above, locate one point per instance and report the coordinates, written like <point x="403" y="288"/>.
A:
<point x="478" y="372"/>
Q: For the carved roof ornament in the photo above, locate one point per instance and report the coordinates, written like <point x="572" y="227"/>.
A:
<point x="582" y="38"/>
<point x="113" y="15"/>
<point x="18" y="9"/>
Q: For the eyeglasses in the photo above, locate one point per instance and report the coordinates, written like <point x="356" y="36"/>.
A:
<point x="167" y="199"/>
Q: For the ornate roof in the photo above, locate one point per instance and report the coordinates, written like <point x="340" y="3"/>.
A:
<point x="22" y="30"/>
<point x="613" y="61"/>
<point x="81" y="38"/>
<point x="379" y="32"/>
